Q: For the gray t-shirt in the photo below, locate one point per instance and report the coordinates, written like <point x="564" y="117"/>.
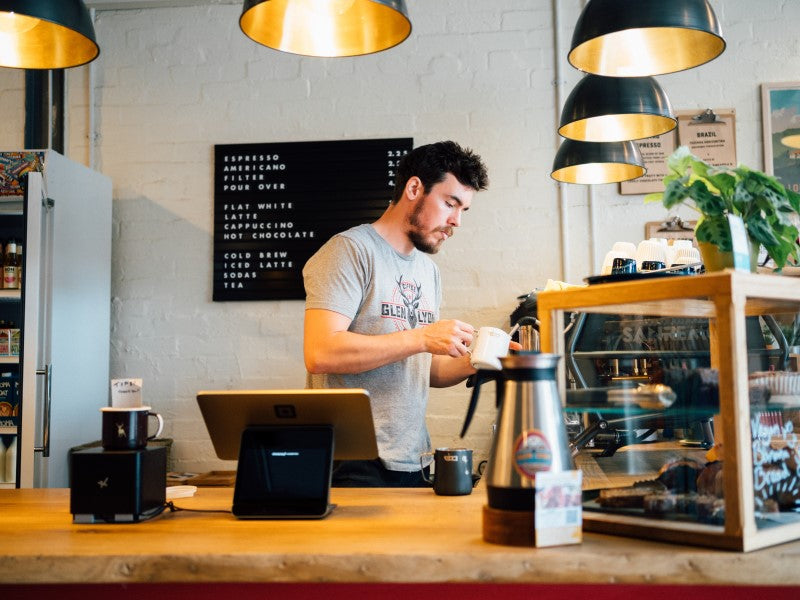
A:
<point x="359" y="275"/>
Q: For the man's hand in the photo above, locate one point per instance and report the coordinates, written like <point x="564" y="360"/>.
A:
<point x="449" y="337"/>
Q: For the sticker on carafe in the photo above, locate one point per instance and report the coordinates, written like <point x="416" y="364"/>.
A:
<point x="532" y="454"/>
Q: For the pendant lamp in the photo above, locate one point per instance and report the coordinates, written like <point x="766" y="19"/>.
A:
<point x="597" y="162"/>
<point x="612" y="109"/>
<point x="46" y="34"/>
<point x="636" y="38"/>
<point x="326" y="27"/>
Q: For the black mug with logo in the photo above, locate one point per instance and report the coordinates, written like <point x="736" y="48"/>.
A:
<point x="126" y="428"/>
<point x="452" y="471"/>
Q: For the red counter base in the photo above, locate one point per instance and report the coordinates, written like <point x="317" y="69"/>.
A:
<point x="388" y="591"/>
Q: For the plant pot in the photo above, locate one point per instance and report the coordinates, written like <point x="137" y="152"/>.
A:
<point x="716" y="260"/>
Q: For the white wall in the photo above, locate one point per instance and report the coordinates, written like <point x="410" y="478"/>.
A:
<point x="12" y="108"/>
<point x="172" y="82"/>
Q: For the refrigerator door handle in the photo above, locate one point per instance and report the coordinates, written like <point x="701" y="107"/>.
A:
<point x="48" y="377"/>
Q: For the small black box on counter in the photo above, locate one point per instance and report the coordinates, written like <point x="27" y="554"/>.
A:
<point x="120" y="486"/>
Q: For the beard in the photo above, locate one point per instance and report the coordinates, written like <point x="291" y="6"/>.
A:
<point x="419" y="237"/>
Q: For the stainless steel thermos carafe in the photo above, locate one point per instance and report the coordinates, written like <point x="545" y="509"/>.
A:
<point x="531" y="435"/>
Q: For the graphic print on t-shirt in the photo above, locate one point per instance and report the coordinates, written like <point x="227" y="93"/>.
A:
<point x="409" y="306"/>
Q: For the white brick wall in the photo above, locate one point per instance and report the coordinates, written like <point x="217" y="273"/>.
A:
<point x="172" y="82"/>
<point x="12" y="108"/>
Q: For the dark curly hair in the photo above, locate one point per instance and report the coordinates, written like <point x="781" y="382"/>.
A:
<point x="432" y="162"/>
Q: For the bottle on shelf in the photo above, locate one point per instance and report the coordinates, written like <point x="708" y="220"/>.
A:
<point x="10" y="267"/>
<point x="19" y="265"/>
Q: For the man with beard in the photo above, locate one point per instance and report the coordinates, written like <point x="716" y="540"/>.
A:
<point x="372" y="311"/>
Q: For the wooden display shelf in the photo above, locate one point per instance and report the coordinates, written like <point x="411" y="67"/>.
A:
<point x="726" y="299"/>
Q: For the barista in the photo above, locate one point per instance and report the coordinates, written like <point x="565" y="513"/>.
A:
<point x="372" y="311"/>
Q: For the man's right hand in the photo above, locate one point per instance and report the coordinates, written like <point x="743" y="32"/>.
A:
<point x="448" y="337"/>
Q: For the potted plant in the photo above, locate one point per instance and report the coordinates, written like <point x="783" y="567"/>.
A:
<point x="764" y="204"/>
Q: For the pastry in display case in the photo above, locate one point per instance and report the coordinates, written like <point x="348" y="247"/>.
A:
<point x="682" y="405"/>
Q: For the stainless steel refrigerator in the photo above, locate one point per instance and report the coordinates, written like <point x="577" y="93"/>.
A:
<point x="63" y="220"/>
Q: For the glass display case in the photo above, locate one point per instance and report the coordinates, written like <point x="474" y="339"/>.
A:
<point x="681" y="395"/>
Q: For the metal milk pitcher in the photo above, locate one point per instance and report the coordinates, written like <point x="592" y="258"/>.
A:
<point x="531" y="435"/>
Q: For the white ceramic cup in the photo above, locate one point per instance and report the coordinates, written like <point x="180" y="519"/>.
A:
<point x="488" y="347"/>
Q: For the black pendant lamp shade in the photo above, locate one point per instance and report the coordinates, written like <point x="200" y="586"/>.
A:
<point x="326" y="27"/>
<point x="612" y="109"/>
<point x="597" y="162"/>
<point x="636" y="38"/>
<point x="46" y="34"/>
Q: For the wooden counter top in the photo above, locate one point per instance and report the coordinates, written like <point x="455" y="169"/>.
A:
<point x="374" y="535"/>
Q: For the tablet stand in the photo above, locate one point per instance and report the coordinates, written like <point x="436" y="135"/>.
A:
<point x="284" y="472"/>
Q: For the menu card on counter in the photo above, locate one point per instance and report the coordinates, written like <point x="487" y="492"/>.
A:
<point x="276" y="204"/>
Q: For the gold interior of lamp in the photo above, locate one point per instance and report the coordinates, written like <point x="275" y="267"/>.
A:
<point x="608" y="128"/>
<point x="326" y="27"/>
<point x="646" y="51"/>
<point x="31" y="43"/>
<point x="591" y="173"/>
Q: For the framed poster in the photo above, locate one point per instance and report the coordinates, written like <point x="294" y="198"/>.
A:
<point x="780" y="116"/>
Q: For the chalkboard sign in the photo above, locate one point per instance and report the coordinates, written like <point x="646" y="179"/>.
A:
<point x="276" y="204"/>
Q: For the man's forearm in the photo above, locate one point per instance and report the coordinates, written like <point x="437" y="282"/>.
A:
<point x="447" y="371"/>
<point x="345" y="352"/>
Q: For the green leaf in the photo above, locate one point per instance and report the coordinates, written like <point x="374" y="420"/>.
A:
<point x="708" y="203"/>
<point x="674" y="194"/>
<point x="772" y="210"/>
<point x="742" y="199"/>
<point x="654" y="197"/>
<point x="715" y="230"/>
<point x="794" y="199"/>
<point x="723" y="180"/>
<point x="759" y="230"/>
<point x="679" y="161"/>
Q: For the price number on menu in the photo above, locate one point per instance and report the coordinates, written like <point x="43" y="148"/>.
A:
<point x="393" y="161"/>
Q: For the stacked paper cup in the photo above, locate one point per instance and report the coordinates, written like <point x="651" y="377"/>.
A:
<point x="620" y="250"/>
<point x="651" y="255"/>
<point x="688" y="256"/>
<point x="628" y="248"/>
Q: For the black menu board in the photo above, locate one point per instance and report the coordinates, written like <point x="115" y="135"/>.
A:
<point x="276" y="204"/>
